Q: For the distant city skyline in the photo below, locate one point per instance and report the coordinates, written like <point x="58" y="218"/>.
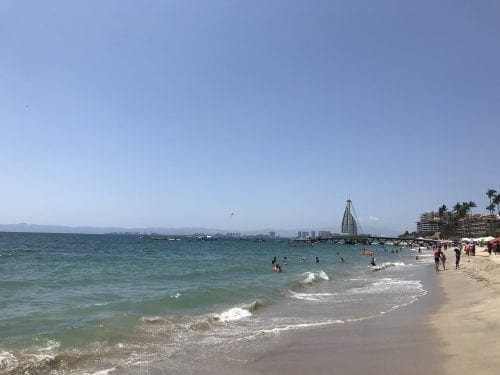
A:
<point x="246" y="115"/>
<point x="181" y="231"/>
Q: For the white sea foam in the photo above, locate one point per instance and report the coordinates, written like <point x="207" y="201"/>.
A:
<point x="291" y="327"/>
<point x="48" y="345"/>
<point x="176" y="295"/>
<point x="388" y="284"/>
<point x="311" y="277"/>
<point x="387" y="265"/>
<point x="8" y="361"/>
<point x="235" y="313"/>
<point x="310" y="296"/>
<point x="105" y="372"/>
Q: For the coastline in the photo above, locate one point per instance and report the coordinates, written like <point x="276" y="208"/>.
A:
<point x="401" y="341"/>
<point x="451" y="330"/>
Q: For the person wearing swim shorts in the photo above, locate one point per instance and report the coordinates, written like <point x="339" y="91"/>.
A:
<point x="437" y="257"/>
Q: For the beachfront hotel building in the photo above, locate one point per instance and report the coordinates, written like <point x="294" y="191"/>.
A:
<point x="429" y="222"/>
<point x="470" y="226"/>
<point x="478" y="225"/>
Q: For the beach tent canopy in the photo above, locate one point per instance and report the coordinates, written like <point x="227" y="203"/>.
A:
<point x="484" y="239"/>
<point x="495" y="240"/>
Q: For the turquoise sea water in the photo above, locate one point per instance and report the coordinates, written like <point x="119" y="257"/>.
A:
<point x="103" y="303"/>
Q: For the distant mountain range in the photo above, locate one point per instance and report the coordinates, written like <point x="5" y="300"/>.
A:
<point x="24" y="227"/>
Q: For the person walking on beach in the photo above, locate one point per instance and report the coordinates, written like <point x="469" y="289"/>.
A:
<point x="437" y="258"/>
<point x="443" y="259"/>
<point x="457" y="258"/>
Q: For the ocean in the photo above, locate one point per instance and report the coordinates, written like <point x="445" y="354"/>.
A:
<point x="121" y="304"/>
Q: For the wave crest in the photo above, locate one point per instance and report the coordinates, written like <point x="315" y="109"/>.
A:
<point x="312" y="277"/>
<point x="234" y="313"/>
<point x="387" y="265"/>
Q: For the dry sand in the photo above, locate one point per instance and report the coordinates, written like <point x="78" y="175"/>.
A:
<point x="468" y="322"/>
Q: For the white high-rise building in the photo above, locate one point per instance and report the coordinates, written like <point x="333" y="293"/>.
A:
<point x="349" y="225"/>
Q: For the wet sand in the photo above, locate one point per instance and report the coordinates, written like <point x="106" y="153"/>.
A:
<point x="453" y="330"/>
<point x="399" y="342"/>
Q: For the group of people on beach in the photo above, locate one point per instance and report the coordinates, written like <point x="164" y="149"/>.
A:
<point x="440" y="257"/>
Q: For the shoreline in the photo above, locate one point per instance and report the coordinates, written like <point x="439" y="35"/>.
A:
<point x="451" y="330"/>
<point x="401" y="341"/>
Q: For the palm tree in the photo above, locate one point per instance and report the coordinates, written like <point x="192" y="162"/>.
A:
<point x="457" y="209"/>
<point x="464" y="209"/>
<point x="471" y="205"/>
<point x="491" y="208"/>
<point x="496" y="200"/>
<point x="442" y="211"/>
<point x="491" y="194"/>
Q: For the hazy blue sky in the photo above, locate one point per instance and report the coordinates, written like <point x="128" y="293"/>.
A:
<point x="177" y="113"/>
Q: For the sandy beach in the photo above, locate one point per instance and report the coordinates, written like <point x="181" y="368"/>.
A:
<point x="454" y="329"/>
<point x="468" y="322"/>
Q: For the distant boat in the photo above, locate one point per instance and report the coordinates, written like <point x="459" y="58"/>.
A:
<point x="207" y="238"/>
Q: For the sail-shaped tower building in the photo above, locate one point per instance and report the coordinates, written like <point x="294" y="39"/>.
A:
<point x="349" y="225"/>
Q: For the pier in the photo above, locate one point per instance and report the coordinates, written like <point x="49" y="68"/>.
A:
<point x="367" y="239"/>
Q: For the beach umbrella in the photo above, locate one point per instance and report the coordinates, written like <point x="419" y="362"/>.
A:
<point x="494" y="241"/>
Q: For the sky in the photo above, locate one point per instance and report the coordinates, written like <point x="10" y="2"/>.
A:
<point x="179" y="113"/>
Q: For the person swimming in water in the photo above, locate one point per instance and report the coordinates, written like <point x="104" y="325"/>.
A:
<point x="373" y="262"/>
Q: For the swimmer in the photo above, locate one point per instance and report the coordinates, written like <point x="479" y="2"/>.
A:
<point x="373" y="262"/>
